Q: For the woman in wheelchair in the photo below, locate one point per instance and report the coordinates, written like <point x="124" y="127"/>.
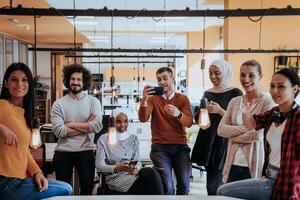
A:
<point x="122" y="166"/>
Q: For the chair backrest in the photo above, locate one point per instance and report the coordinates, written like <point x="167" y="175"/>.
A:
<point x="105" y="123"/>
<point x="47" y="134"/>
<point x="39" y="155"/>
<point x="103" y="189"/>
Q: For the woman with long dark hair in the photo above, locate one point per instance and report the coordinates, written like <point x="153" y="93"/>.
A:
<point x="20" y="176"/>
<point x="281" y="125"/>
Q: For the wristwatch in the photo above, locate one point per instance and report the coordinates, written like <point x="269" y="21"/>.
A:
<point x="179" y="116"/>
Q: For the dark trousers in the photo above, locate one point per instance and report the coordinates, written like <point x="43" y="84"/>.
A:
<point x="166" y="157"/>
<point x="238" y="173"/>
<point x="84" y="162"/>
<point x="213" y="180"/>
<point x="147" y="183"/>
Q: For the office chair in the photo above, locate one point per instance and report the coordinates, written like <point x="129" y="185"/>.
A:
<point x="103" y="188"/>
<point x="105" y="123"/>
<point x="39" y="155"/>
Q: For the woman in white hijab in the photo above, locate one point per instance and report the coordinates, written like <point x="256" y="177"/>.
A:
<point x="210" y="149"/>
<point x="121" y="163"/>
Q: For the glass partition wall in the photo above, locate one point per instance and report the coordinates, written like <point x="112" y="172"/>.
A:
<point x="11" y="50"/>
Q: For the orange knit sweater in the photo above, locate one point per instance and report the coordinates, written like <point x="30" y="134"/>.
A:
<point x="15" y="162"/>
<point x="165" y="128"/>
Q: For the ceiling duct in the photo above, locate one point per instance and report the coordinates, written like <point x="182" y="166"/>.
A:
<point x="19" y="10"/>
<point x="120" y="56"/>
<point x="181" y="51"/>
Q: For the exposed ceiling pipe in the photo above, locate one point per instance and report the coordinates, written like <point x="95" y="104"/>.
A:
<point x="183" y="51"/>
<point x="125" y="62"/>
<point x="120" y="56"/>
<point x="19" y="10"/>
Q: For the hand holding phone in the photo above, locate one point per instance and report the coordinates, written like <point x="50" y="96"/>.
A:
<point x="157" y="90"/>
<point x="133" y="162"/>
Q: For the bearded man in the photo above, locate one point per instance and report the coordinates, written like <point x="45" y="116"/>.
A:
<point x="76" y="118"/>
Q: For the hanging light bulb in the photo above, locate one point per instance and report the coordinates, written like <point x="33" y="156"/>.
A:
<point x="203" y="120"/>
<point x="134" y="80"/>
<point x="202" y="67"/>
<point x="112" y="134"/>
<point x="95" y="91"/>
<point x="112" y="137"/>
<point x="137" y="103"/>
<point x="36" y="140"/>
<point x="144" y="79"/>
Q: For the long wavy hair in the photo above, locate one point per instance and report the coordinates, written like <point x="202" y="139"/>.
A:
<point x="28" y="101"/>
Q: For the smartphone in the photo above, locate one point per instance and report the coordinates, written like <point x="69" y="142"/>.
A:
<point x="158" y="91"/>
<point x="133" y="162"/>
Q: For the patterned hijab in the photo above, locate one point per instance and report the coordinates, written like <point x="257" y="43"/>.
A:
<point x="225" y="69"/>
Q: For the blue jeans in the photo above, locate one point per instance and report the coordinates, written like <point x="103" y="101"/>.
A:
<point x="14" y="188"/>
<point x="252" y="189"/>
<point x="166" y="157"/>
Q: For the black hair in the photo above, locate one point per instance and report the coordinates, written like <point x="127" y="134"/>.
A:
<point x="76" y="68"/>
<point x="253" y="63"/>
<point x="165" y="69"/>
<point x="292" y="75"/>
<point x="28" y="101"/>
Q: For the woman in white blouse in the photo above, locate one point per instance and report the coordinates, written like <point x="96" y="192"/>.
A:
<point x="122" y="174"/>
<point x="245" y="153"/>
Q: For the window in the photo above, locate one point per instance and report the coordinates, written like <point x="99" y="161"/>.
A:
<point x="8" y="52"/>
<point x="1" y="58"/>
<point x="16" y="51"/>
<point x="23" y="53"/>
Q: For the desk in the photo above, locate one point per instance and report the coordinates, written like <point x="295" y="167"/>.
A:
<point x="144" y="197"/>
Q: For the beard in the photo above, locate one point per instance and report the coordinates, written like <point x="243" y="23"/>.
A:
<point x="75" y="89"/>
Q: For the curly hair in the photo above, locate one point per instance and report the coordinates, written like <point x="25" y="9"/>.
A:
<point x="28" y="101"/>
<point x="87" y="77"/>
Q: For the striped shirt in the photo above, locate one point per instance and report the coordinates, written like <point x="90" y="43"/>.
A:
<point x="107" y="158"/>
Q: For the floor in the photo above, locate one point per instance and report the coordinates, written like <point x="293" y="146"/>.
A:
<point x="198" y="183"/>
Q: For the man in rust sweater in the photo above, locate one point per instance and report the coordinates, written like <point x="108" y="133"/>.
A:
<point x="170" y="114"/>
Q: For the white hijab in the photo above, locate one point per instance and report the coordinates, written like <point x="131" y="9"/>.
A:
<point x="225" y="69"/>
<point x="121" y="136"/>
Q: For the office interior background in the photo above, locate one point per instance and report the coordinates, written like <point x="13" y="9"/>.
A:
<point x="49" y="43"/>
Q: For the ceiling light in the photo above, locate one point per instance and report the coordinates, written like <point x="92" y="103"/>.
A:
<point x="85" y="23"/>
<point x="170" y="23"/>
<point x="14" y="21"/>
<point x="158" y="41"/>
<point x="25" y="26"/>
<point x="97" y="37"/>
<point x="40" y="33"/>
<point x="176" y="18"/>
<point x="160" y="38"/>
<point x="99" y="40"/>
<point x="85" y="17"/>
